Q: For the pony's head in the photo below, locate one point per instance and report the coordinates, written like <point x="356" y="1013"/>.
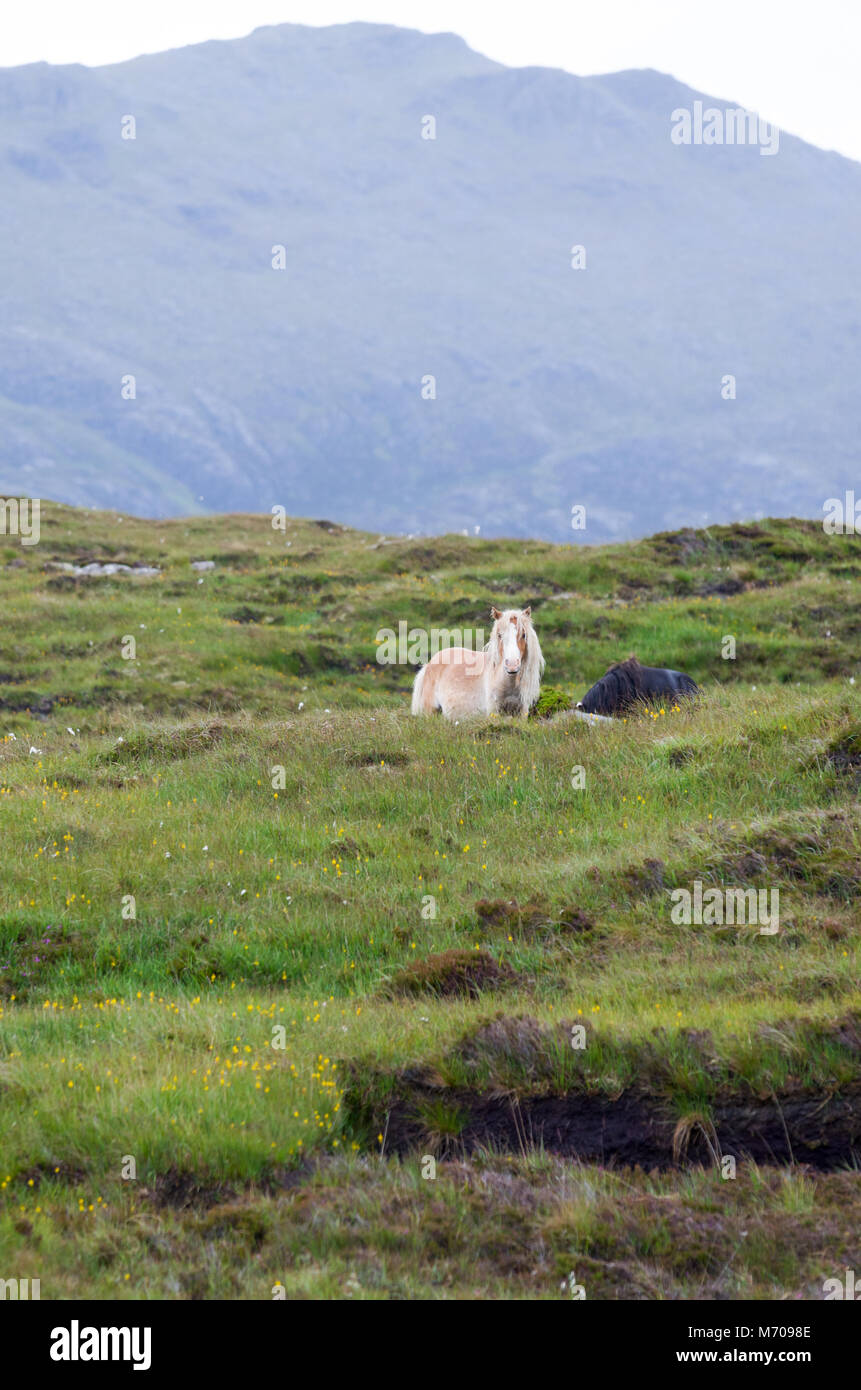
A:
<point x="514" y="647"/>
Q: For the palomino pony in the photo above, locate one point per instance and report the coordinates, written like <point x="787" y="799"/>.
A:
<point x="504" y="678"/>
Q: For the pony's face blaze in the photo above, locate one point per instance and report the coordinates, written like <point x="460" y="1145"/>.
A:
<point x="511" y="640"/>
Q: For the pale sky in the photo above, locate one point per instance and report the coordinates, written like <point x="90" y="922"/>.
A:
<point x="793" y="61"/>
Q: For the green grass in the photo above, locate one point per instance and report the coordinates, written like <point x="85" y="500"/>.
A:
<point x="303" y="899"/>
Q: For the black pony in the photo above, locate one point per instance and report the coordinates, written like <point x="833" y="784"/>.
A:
<point x="628" y="684"/>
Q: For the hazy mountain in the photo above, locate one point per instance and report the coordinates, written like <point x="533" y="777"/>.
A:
<point x="406" y="257"/>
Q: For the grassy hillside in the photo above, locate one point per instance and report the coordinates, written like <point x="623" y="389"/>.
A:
<point x="427" y="911"/>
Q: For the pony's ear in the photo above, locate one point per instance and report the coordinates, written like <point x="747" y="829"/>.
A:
<point x="527" y="612"/>
<point x="495" y="613"/>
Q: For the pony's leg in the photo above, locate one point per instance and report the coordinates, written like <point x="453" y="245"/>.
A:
<point x="451" y="702"/>
<point x="458" y="696"/>
<point x="431" y="690"/>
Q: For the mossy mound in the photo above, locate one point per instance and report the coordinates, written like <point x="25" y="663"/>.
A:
<point x="552" y="700"/>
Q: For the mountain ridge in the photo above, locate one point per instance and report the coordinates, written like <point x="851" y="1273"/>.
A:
<point x="407" y="258"/>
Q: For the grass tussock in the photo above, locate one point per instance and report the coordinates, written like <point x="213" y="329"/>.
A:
<point x="465" y="974"/>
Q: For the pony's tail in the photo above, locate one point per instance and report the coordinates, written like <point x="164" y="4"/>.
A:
<point x="418" y="686"/>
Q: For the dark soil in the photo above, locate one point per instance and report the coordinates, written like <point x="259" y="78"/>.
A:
<point x="645" y="879"/>
<point x="844" y="753"/>
<point x="506" y="914"/>
<point x="633" y="1130"/>
<point x="57" y="1172"/>
<point x="183" y="1191"/>
<point x="186" y="1192"/>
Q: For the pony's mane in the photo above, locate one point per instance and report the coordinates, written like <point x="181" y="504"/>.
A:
<point x="533" y="664"/>
<point x="620" y="686"/>
<point x="630" y="664"/>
